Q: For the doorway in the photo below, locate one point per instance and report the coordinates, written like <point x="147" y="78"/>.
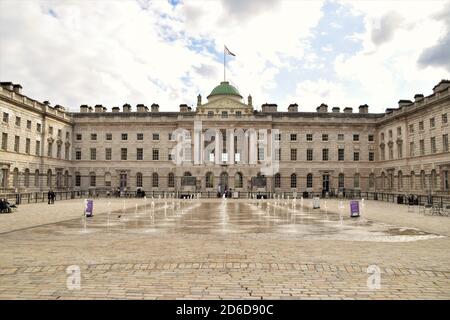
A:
<point x="326" y="183"/>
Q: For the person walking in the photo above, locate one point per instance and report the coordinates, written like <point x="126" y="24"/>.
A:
<point x="49" y="196"/>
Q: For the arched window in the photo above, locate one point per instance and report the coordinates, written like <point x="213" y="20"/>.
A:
<point x="209" y="180"/>
<point x="107" y="179"/>
<point x="238" y="180"/>
<point x="187" y="174"/>
<point x="400" y="181"/>
<point x="138" y="180"/>
<point x="26" y="180"/>
<point x="16" y="178"/>
<point x="277" y="180"/>
<point x="309" y="180"/>
<point x="433" y="180"/>
<point x="356" y="181"/>
<point x="66" y="179"/>
<point x="371" y="181"/>
<point x="341" y="181"/>
<point x="171" y="181"/>
<point x="293" y="180"/>
<point x="155" y="180"/>
<point x="422" y="180"/>
<point x="36" y="178"/>
<point x="92" y="179"/>
<point x="49" y="178"/>
<point x="412" y="181"/>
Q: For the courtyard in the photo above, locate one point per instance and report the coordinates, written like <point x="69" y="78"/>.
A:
<point x="223" y="249"/>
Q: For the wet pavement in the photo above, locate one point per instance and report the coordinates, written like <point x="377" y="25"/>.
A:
<point x="202" y="249"/>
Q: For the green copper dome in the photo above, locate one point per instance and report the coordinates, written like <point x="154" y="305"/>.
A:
<point x="225" y="88"/>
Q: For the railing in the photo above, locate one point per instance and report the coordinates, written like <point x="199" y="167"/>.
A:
<point x="399" y="198"/>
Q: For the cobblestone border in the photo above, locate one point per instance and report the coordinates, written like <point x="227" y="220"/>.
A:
<point x="320" y="268"/>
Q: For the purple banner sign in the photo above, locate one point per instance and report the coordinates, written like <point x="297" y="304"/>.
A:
<point x="89" y="207"/>
<point x="354" y="208"/>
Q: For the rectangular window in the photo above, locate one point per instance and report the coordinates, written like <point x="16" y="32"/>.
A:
<point x="324" y="137"/>
<point x="67" y="135"/>
<point x="50" y="149"/>
<point x="293" y="137"/>
<point x="277" y="154"/>
<point x="260" y="154"/>
<point x="382" y="136"/>
<point x="18" y="121"/>
<point x="27" y="146"/>
<point x="155" y="136"/>
<point x="59" y="133"/>
<point x="225" y="157"/>
<point x="309" y="154"/>
<point x="422" y="147"/>
<point x="445" y="142"/>
<point x="38" y="148"/>
<point x="124" y="136"/>
<point x="170" y="155"/>
<point x="356" y="156"/>
<point x="399" y="131"/>
<point x="432" y="123"/>
<point x="79" y="136"/>
<point x="370" y="137"/>
<point x="411" y="149"/>
<point x="38" y="127"/>
<point x="390" y="134"/>
<point x="238" y="114"/>
<point x="224" y="114"/>
<point x="170" y="136"/>
<point x="237" y="157"/>
<point x="78" y="155"/>
<point x="324" y="154"/>
<point x="77" y="180"/>
<point x="92" y="181"/>
<point x="444" y="118"/>
<point x="16" y="143"/>
<point x="93" y="154"/>
<point x="433" y="144"/>
<point x="293" y="154"/>
<point x="139" y="154"/>
<point x="277" y="136"/>
<point x="400" y="150"/>
<point x="421" y="125"/>
<point x="340" y="137"/>
<point x="309" y="137"/>
<point x="411" y="128"/>
<point x="341" y="154"/>
<point x="50" y="130"/>
<point x="356" y="137"/>
<point x="123" y="153"/>
<point x="5" y="117"/>
<point x="109" y="136"/>
<point x="93" y="136"/>
<point x="371" y="156"/>
<point x="210" y="114"/>
<point x="140" y="136"/>
<point x="67" y="153"/>
<point x="108" y="153"/>
<point x="155" y="154"/>
<point x="58" y="151"/>
<point x="4" y="141"/>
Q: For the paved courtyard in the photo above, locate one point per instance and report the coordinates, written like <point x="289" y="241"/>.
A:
<point x="223" y="249"/>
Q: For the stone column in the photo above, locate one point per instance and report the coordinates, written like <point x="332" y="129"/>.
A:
<point x="231" y="147"/>
<point x="217" y="151"/>
<point x="252" y="147"/>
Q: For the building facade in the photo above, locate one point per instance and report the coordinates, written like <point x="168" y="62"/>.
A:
<point x="225" y="142"/>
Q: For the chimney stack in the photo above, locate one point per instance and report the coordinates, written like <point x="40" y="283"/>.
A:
<point x="17" y="88"/>
<point x="126" y="107"/>
<point x="348" y="110"/>
<point x="293" y="107"/>
<point x="141" y="108"/>
<point x="364" y="108"/>
<point x="418" y="97"/>
<point x="323" y="108"/>
<point x="7" y="85"/>
<point x="155" y="107"/>
<point x="336" y="110"/>
<point x="98" y="108"/>
<point x="115" y="109"/>
<point x="184" y="108"/>
<point x="84" y="108"/>
<point x="404" y="103"/>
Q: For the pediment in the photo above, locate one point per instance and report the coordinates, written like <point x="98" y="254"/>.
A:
<point x="224" y="104"/>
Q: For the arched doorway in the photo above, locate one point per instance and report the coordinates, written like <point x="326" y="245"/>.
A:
<point x="223" y="182"/>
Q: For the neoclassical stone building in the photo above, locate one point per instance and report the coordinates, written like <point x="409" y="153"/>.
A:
<point x="225" y="141"/>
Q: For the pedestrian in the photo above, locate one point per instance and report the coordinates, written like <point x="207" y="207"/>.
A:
<point x="49" y="196"/>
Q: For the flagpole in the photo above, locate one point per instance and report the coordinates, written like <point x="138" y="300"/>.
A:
<point x="224" y="62"/>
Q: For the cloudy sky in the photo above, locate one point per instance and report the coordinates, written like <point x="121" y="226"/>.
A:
<point x="110" y="52"/>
